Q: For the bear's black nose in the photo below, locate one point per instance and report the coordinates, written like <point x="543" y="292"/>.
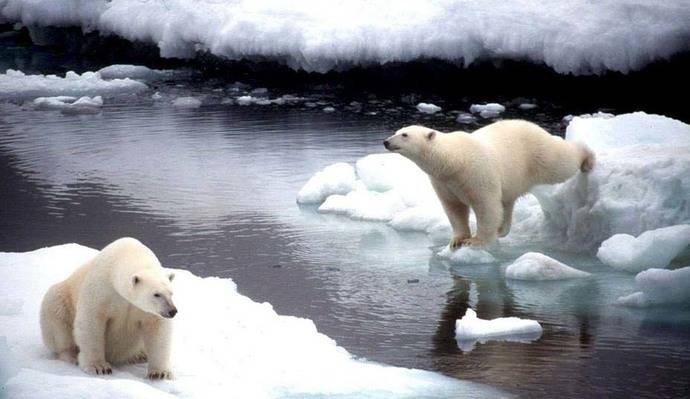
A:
<point x="386" y="143"/>
<point x="172" y="313"/>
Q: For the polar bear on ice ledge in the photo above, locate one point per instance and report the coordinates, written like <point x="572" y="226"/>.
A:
<point x="114" y="309"/>
<point x="488" y="170"/>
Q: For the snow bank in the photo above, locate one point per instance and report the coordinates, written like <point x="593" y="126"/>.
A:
<point x="471" y="329"/>
<point x="138" y="72"/>
<point x="652" y="249"/>
<point x="224" y="345"/>
<point x="490" y="110"/>
<point x="660" y="287"/>
<point x="70" y="105"/>
<point x="15" y="85"/>
<point x="466" y="256"/>
<point x="428" y="108"/>
<point x="537" y="266"/>
<point x="578" y="36"/>
<point x="633" y="188"/>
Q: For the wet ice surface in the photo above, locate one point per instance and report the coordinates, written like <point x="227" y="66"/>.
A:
<point x="212" y="189"/>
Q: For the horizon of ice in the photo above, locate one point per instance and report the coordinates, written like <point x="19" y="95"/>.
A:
<point x="651" y="249"/>
<point x="69" y="105"/>
<point x="224" y="344"/>
<point x="633" y="188"/>
<point x="136" y="72"/>
<point x="428" y="108"/>
<point x="18" y="86"/>
<point x="489" y="110"/>
<point x="577" y="37"/>
<point x="186" y="102"/>
<point x="470" y="329"/>
<point x="539" y="267"/>
<point x="659" y="287"/>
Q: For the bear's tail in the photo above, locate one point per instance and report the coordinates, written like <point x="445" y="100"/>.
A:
<point x="588" y="158"/>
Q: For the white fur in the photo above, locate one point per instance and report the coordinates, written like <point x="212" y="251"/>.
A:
<point x="107" y="312"/>
<point x="488" y="170"/>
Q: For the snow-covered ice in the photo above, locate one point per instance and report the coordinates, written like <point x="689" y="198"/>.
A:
<point x="69" y="105"/>
<point x="187" y="102"/>
<point x="428" y="108"/>
<point x="537" y="266"/>
<point x="16" y="85"/>
<point x="660" y="287"/>
<point x="338" y="178"/>
<point x="490" y="110"/>
<point x="466" y="256"/>
<point x="652" y="249"/>
<point x="471" y="329"/>
<point x="578" y="36"/>
<point x="224" y="345"/>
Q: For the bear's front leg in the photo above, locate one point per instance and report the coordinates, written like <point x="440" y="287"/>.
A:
<point x="89" y="335"/>
<point x="157" y="343"/>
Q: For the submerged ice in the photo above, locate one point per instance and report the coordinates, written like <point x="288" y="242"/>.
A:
<point x="580" y="37"/>
<point x="660" y="287"/>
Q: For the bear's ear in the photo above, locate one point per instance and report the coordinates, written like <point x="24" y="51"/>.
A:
<point x="430" y="135"/>
<point x="171" y="276"/>
<point x="135" y="280"/>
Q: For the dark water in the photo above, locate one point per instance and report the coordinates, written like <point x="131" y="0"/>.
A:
<point x="213" y="190"/>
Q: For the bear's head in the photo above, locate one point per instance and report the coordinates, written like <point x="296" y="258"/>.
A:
<point x="151" y="292"/>
<point x="411" y="141"/>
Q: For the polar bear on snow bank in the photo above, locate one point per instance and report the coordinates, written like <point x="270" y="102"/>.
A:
<point x="114" y="309"/>
<point x="488" y="170"/>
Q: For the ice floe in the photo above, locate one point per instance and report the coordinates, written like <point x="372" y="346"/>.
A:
<point x="338" y="178"/>
<point x="537" y="266"/>
<point x="428" y="108"/>
<point x="138" y="72"/>
<point x="466" y="256"/>
<point x="224" y="344"/>
<point x="470" y="329"/>
<point x="18" y="86"/>
<point x="660" y="287"/>
<point x="651" y="249"/>
<point x="490" y="110"/>
<point x="187" y="102"/>
<point x="620" y="36"/>
<point x="69" y="105"/>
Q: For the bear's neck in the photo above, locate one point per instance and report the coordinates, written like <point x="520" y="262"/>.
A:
<point x="432" y="160"/>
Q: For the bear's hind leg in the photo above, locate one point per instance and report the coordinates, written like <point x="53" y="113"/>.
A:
<point x="56" y="326"/>
<point x="507" y="218"/>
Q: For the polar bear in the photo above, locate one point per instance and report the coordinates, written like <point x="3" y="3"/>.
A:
<point x="488" y="170"/>
<point x="115" y="309"/>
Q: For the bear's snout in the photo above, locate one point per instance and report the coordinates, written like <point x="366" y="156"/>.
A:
<point x="386" y="144"/>
<point x="172" y="313"/>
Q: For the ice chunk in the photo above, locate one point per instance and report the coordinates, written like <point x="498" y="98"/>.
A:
<point x="338" y="178"/>
<point x="187" y="102"/>
<point x="490" y="110"/>
<point x="467" y="256"/>
<point x="527" y="106"/>
<point x="428" y="108"/>
<point x="245" y="100"/>
<point x="223" y="344"/>
<point x="328" y="109"/>
<point x="70" y="105"/>
<point x="652" y="249"/>
<point x="16" y="85"/>
<point x="537" y="266"/>
<point x="660" y="287"/>
<point x="138" y="72"/>
<point x="464" y="117"/>
<point x="471" y="329"/>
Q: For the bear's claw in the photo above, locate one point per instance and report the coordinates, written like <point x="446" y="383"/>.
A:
<point x="98" y="369"/>
<point x="136" y="359"/>
<point x="160" y="375"/>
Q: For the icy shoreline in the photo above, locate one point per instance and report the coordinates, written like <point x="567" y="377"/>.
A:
<point x="312" y="36"/>
<point x="223" y="344"/>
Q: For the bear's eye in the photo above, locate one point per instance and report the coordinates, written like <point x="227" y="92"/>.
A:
<point x="404" y="134"/>
<point x="157" y="295"/>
